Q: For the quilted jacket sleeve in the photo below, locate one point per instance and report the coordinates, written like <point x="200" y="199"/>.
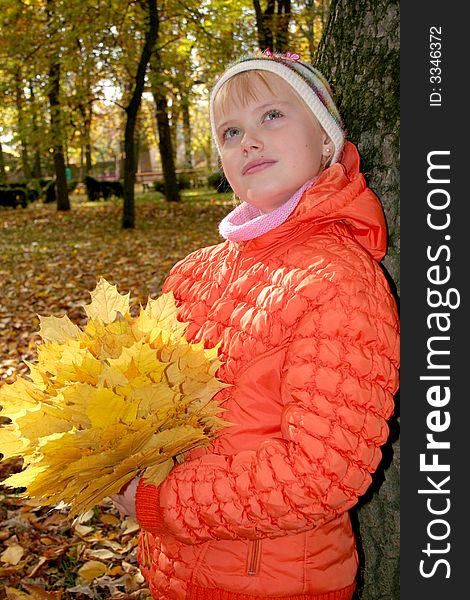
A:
<point x="337" y="386"/>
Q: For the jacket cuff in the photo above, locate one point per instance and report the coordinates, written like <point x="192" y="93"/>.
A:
<point x="148" y="511"/>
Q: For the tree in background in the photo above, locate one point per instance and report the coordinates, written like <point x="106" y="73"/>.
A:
<point x="53" y="27"/>
<point x="165" y="142"/>
<point x="272" y="24"/>
<point x="21" y="60"/>
<point x="64" y="77"/>
<point x="36" y="130"/>
<point x="192" y="48"/>
<point x="359" y="54"/>
<point x="132" y="109"/>
<point x="308" y="21"/>
<point x="3" y="175"/>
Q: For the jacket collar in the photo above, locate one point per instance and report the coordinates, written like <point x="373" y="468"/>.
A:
<point x="339" y="195"/>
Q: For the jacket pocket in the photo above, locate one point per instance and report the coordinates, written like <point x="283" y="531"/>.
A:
<point x="253" y="560"/>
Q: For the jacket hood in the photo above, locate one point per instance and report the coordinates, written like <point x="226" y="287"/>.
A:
<point x="341" y="194"/>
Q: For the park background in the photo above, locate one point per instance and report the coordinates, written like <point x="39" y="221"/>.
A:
<point x="117" y="91"/>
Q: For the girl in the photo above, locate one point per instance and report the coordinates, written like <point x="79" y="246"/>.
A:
<point x="309" y="335"/>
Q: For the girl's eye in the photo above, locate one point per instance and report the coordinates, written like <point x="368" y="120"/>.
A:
<point x="271" y="115"/>
<point x="230" y="133"/>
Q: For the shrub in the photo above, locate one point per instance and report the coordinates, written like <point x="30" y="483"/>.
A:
<point x="34" y="190"/>
<point x="112" y="188"/>
<point x="184" y="181"/>
<point x="159" y="185"/>
<point x="30" y="187"/>
<point x="12" y="196"/>
<point x="97" y="189"/>
<point x="49" y="192"/>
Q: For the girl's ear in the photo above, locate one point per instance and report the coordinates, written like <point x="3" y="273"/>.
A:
<point x="328" y="150"/>
<point x="328" y="147"/>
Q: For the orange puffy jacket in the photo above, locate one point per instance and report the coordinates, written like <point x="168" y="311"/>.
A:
<point x="309" y="334"/>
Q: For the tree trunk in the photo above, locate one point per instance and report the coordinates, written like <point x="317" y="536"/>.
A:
<point x="86" y="114"/>
<point x="63" y="202"/>
<point x="359" y="55"/>
<point x="132" y="109"/>
<point x="88" y="161"/>
<point x="264" y="24"/>
<point x="37" y="169"/>
<point x="310" y="27"/>
<point x="282" y="25"/>
<point x="3" y="173"/>
<point x="188" y="160"/>
<point x="272" y="24"/>
<point x="22" y="126"/>
<point x="165" y="144"/>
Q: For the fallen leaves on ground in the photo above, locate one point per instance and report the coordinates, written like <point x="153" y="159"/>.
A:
<point x="49" y="261"/>
<point x="46" y="555"/>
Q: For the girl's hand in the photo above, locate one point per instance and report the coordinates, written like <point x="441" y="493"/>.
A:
<point x="125" y="500"/>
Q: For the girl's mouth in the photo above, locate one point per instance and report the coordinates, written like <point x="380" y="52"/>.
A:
<point x="257" y="165"/>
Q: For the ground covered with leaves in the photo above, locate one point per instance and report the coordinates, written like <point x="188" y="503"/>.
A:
<point x="49" y="263"/>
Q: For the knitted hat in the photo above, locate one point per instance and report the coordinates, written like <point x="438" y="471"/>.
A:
<point x="307" y="81"/>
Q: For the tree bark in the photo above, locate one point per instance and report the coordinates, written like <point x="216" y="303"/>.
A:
<point x="37" y="169"/>
<point x="63" y="202"/>
<point x="186" y="131"/>
<point x="132" y="109"/>
<point x="53" y="93"/>
<point x="359" y="55"/>
<point x="282" y="25"/>
<point x="3" y="173"/>
<point x="165" y="144"/>
<point x="86" y="114"/>
<point x="272" y="24"/>
<point x="22" y="126"/>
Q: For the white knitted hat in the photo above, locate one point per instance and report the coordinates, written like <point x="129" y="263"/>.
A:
<point x="307" y="81"/>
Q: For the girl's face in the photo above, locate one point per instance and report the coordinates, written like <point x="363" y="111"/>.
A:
<point x="271" y="143"/>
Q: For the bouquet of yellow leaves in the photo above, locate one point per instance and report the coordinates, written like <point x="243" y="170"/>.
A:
<point x="121" y="397"/>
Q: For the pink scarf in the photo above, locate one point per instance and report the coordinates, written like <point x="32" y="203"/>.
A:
<point x="246" y="221"/>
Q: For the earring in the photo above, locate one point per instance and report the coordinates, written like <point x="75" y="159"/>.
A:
<point x="328" y="150"/>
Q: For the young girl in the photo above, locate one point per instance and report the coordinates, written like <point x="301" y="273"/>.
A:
<point x="309" y="335"/>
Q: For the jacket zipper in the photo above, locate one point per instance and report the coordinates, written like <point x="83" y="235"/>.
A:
<point x="253" y="559"/>
<point x="254" y="556"/>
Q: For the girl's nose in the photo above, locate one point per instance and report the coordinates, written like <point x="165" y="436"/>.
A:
<point x="250" y="141"/>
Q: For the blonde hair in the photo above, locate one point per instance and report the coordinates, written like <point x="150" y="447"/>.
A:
<point x="242" y="86"/>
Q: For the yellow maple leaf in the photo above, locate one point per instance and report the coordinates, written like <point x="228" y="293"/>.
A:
<point x="106" y="408"/>
<point x="24" y="478"/>
<point x="11" y="442"/>
<point x="107" y="340"/>
<point x="137" y="359"/>
<point x="106" y="303"/>
<point x="54" y="329"/>
<point x="154" y="398"/>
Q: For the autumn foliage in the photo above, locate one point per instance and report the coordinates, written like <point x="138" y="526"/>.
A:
<point x="120" y="397"/>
